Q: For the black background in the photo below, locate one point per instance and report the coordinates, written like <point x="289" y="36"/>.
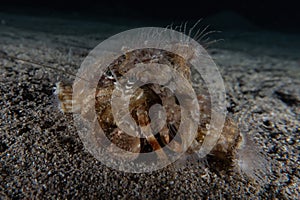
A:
<point x="277" y="15"/>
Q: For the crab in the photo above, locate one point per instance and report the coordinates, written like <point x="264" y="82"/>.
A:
<point x="142" y="100"/>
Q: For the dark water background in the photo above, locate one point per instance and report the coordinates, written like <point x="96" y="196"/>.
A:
<point x="282" y="16"/>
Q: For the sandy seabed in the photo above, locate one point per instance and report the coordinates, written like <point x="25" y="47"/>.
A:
<point x="42" y="156"/>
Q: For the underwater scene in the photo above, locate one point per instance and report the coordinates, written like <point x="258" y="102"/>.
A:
<point x="149" y="100"/>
